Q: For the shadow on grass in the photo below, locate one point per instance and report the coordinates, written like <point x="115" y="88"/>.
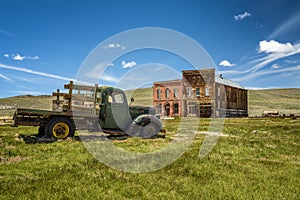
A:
<point x="33" y="139"/>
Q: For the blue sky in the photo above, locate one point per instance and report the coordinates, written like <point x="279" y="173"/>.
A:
<point x="43" y="43"/>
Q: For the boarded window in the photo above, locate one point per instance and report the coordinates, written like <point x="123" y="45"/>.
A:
<point x="189" y="91"/>
<point x="206" y="91"/>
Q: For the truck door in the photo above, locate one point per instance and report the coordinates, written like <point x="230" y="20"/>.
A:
<point x="116" y="113"/>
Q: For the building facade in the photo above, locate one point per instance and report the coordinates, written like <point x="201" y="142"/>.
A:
<point x="200" y="93"/>
<point x="167" y="98"/>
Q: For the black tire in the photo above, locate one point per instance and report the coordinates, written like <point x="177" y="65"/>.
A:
<point x="133" y="130"/>
<point x="60" y="128"/>
<point x="148" y="131"/>
<point x="42" y="131"/>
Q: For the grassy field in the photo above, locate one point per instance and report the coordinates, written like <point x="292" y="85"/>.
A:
<point x="256" y="159"/>
<point x="286" y="101"/>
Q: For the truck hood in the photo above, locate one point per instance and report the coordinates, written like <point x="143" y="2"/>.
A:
<point x="138" y="110"/>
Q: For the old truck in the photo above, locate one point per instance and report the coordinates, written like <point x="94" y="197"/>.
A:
<point x="93" y="108"/>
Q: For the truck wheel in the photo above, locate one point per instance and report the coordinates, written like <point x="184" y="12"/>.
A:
<point x="148" y="131"/>
<point x="60" y="128"/>
<point x="42" y="131"/>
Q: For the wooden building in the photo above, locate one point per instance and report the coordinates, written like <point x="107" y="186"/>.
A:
<point x="200" y="93"/>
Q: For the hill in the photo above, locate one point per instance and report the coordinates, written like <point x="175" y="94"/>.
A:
<point x="9" y="105"/>
<point x="286" y="101"/>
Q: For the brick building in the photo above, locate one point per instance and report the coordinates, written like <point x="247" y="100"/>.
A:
<point x="200" y="93"/>
<point x="167" y="96"/>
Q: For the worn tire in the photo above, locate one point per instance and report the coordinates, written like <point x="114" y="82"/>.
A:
<point x="42" y="131"/>
<point x="60" y="128"/>
<point x="148" y="131"/>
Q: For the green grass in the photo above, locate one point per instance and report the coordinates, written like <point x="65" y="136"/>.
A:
<point x="258" y="159"/>
<point x="286" y="101"/>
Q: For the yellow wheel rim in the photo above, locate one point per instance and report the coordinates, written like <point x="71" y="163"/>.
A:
<point x="60" y="130"/>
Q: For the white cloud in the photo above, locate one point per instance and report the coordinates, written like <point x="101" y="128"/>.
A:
<point x="242" y="16"/>
<point x="3" y="32"/>
<point x="114" y="46"/>
<point x="6" y="78"/>
<point x="33" y="57"/>
<point x="128" y="64"/>
<point x="273" y="46"/>
<point x="275" y="51"/>
<point x="109" y="78"/>
<point x="268" y="52"/>
<point x="275" y="66"/>
<point x="290" y="61"/>
<point x="226" y="63"/>
<point x="267" y="72"/>
<point x="29" y="71"/>
<point x="18" y="57"/>
<point x="290" y="25"/>
<point x="28" y="92"/>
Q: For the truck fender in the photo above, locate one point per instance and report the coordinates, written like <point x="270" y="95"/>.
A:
<point x="145" y="126"/>
<point x="143" y="120"/>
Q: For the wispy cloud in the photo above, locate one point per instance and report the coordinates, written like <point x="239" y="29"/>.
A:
<point x="109" y="78"/>
<point x="267" y="52"/>
<point x="33" y="57"/>
<point x="273" y="51"/>
<point x="3" y="32"/>
<point x="114" y="46"/>
<point x="267" y="72"/>
<point x="275" y="66"/>
<point x="29" y="71"/>
<point x="19" y="57"/>
<point x="6" y="78"/>
<point x="226" y="63"/>
<point x="23" y="79"/>
<point x="242" y="16"/>
<point x="290" y="25"/>
<point x="26" y="92"/>
<point x="128" y="64"/>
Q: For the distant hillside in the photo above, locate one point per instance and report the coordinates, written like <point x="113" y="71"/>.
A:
<point x="286" y="101"/>
<point x="142" y="96"/>
<point x="9" y="105"/>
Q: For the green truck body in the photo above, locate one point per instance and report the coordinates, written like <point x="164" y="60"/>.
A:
<point x="92" y="108"/>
